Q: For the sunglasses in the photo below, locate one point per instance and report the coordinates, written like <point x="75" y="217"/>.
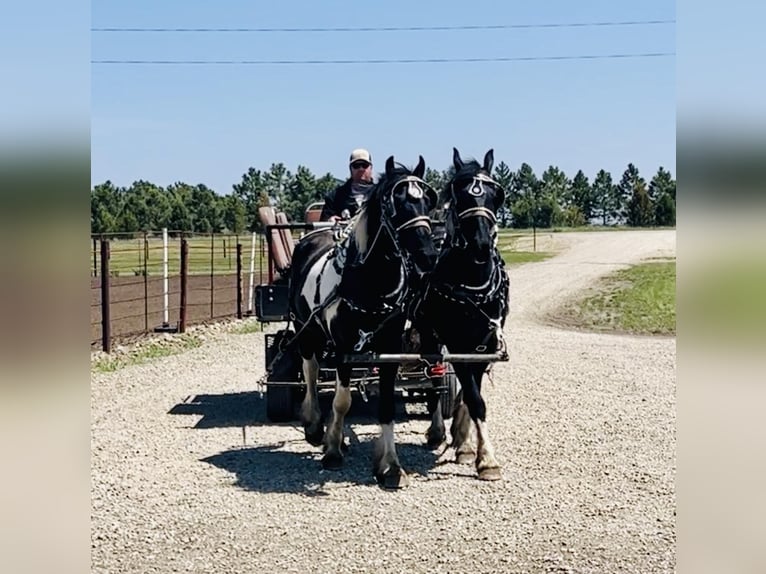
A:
<point x="360" y="165"/>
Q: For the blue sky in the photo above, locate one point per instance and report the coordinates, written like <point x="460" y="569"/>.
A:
<point x="208" y="124"/>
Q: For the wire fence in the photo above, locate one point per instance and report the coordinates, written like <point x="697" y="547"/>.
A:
<point x="161" y="282"/>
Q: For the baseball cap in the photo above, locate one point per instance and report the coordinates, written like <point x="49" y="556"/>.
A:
<point x="359" y="154"/>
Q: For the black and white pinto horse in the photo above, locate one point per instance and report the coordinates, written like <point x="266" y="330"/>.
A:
<point x="465" y="304"/>
<point x="352" y="297"/>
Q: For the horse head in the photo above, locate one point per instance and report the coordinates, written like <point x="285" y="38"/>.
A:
<point x="401" y="203"/>
<point x="473" y="199"/>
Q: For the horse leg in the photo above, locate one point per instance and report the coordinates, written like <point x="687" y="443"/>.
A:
<point x="311" y="415"/>
<point x="436" y="433"/>
<point x="486" y="463"/>
<point x="386" y="467"/>
<point x="341" y="403"/>
<point x="461" y="430"/>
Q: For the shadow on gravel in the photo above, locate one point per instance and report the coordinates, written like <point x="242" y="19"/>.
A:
<point x="249" y="409"/>
<point x="271" y="469"/>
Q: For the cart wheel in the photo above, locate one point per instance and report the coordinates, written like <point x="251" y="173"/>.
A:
<point x="279" y="403"/>
<point x="450" y="393"/>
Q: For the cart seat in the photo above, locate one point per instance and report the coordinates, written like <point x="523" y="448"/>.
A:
<point x="281" y="241"/>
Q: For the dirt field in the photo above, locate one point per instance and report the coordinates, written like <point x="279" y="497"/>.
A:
<point x="138" y="307"/>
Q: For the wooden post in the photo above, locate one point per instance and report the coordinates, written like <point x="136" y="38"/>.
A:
<point x="239" y="280"/>
<point x="184" y="273"/>
<point x="146" y="282"/>
<point x="212" y="268"/>
<point x="106" y="324"/>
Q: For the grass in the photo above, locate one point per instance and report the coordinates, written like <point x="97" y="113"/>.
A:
<point x="153" y="349"/>
<point x="520" y="257"/>
<point x="247" y="327"/>
<point x="638" y="300"/>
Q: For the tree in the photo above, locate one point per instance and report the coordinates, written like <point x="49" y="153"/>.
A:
<point x="277" y="182"/>
<point x="206" y="217"/>
<point x="105" y="200"/>
<point x="640" y="210"/>
<point x="233" y="213"/>
<point x="504" y="176"/>
<point x="523" y="191"/>
<point x="579" y="196"/>
<point x="142" y="210"/>
<point x="180" y="197"/>
<point x="605" y="200"/>
<point x="251" y="190"/>
<point x="553" y="189"/>
<point x="662" y="192"/>
<point x="435" y="179"/>
<point x="665" y="210"/>
<point x="631" y="181"/>
<point x="662" y="183"/>
<point x="301" y="191"/>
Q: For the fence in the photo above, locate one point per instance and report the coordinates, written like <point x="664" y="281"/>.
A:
<point x="154" y="282"/>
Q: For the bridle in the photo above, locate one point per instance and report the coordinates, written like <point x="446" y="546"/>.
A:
<point x="477" y="188"/>
<point x="415" y="189"/>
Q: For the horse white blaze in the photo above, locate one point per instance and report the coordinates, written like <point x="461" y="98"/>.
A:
<point x="486" y="454"/>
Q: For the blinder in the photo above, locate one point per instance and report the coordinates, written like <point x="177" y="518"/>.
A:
<point x="478" y="188"/>
<point x="416" y="189"/>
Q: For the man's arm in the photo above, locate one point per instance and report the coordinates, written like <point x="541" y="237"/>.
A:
<point x="329" y="210"/>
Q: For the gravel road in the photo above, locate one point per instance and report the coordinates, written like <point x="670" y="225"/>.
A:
<point x="188" y="476"/>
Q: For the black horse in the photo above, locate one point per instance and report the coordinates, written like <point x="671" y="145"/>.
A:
<point x="465" y="303"/>
<point x="352" y="297"/>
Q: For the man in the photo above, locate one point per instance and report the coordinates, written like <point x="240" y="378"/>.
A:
<point x="346" y="199"/>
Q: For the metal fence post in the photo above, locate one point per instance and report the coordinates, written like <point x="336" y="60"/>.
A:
<point x="106" y="324"/>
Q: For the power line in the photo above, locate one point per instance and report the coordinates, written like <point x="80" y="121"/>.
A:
<point x="390" y="28"/>
<point x="379" y="61"/>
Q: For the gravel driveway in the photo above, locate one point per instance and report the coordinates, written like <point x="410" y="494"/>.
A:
<point x="188" y="476"/>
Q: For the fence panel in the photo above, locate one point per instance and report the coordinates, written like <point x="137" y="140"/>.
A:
<point x="216" y="285"/>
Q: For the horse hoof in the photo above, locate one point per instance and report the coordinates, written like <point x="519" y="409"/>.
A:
<point x="332" y="461"/>
<point x="394" y="479"/>
<point x="490" y="474"/>
<point x="314" y="437"/>
<point x="434" y="440"/>
<point x="465" y="457"/>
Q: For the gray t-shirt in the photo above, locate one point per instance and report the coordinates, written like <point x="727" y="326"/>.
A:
<point x="360" y="191"/>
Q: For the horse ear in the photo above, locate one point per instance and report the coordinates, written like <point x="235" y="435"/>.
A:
<point x="456" y="160"/>
<point x="389" y="166"/>
<point x="420" y="169"/>
<point x="489" y="160"/>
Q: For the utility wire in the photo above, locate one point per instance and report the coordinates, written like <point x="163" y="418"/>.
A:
<point x="390" y="28"/>
<point x="380" y="61"/>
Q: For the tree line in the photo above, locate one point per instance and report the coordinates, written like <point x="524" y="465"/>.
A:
<point x="551" y="200"/>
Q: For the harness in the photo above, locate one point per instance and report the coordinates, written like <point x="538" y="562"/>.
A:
<point x="494" y="292"/>
<point x="392" y="304"/>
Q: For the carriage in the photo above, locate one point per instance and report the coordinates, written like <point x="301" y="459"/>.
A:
<point x="395" y="300"/>
<point x="283" y="381"/>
